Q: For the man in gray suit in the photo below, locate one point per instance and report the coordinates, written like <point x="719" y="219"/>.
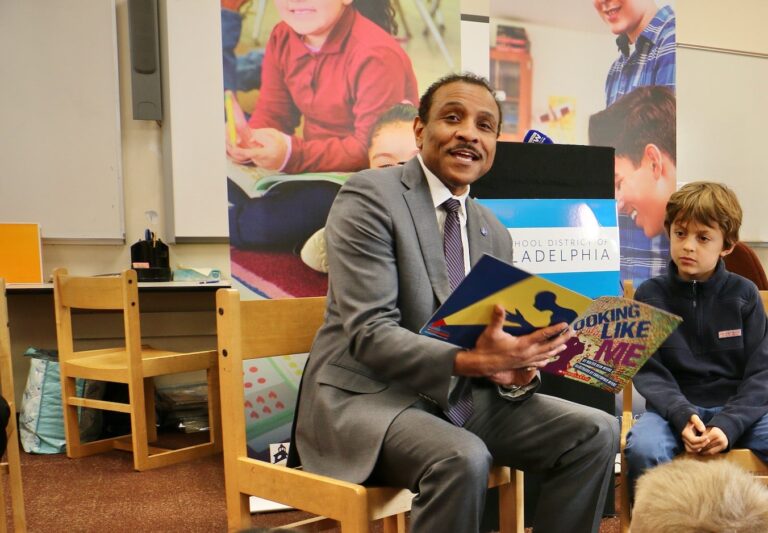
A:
<point x="377" y="398"/>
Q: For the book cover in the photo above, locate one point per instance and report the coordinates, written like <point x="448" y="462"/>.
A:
<point x="614" y="336"/>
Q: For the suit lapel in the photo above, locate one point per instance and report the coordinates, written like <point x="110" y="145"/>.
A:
<point x="419" y="201"/>
<point x="478" y="233"/>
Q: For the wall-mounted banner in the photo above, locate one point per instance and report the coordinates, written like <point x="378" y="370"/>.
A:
<point x="311" y="96"/>
<point x="599" y="73"/>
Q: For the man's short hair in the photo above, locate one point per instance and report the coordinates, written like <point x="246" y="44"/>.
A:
<point x="645" y="116"/>
<point x="425" y="102"/>
<point x="689" y="496"/>
<point x="708" y="203"/>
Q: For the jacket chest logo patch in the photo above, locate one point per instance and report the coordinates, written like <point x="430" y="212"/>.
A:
<point x="728" y="333"/>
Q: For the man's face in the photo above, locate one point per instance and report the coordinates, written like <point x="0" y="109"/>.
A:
<point x="626" y="16"/>
<point x="642" y="194"/>
<point x="458" y="143"/>
<point x="695" y="248"/>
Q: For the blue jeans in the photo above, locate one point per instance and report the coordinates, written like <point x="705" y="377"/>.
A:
<point x="653" y="441"/>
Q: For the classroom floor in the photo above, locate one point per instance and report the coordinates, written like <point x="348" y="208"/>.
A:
<point x="104" y="493"/>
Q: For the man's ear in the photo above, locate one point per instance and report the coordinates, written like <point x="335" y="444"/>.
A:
<point x="418" y="131"/>
<point x="653" y="157"/>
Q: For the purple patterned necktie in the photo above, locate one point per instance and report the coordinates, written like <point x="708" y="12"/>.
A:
<point x="461" y="410"/>
<point x="452" y="246"/>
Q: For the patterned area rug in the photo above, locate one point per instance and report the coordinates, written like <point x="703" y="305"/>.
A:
<point x="276" y="274"/>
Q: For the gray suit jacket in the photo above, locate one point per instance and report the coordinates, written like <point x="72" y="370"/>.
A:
<point x="387" y="275"/>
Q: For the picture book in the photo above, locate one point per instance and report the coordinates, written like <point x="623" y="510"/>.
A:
<point x="255" y="181"/>
<point x="614" y="336"/>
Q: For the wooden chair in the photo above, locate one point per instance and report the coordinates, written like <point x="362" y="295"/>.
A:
<point x="743" y="457"/>
<point x="11" y="468"/>
<point x="130" y="363"/>
<point x="265" y="328"/>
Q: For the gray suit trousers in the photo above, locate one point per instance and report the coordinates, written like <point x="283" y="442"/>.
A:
<point x="572" y="445"/>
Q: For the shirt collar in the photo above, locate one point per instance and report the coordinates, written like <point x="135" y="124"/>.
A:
<point x="715" y="280"/>
<point x="440" y="193"/>
<point x="650" y="33"/>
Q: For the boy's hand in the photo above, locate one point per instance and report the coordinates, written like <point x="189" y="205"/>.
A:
<point x="239" y="150"/>
<point x="242" y="152"/>
<point x="717" y="441"/>
<point x="272" y="147"/>
<point x="694" y="435"/>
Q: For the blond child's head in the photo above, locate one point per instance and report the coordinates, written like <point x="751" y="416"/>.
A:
<point x="702" y="220"/>
<point x="689" y="496"/>
<point x="708" y="203"/>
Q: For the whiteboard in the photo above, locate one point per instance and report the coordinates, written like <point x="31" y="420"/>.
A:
<point x="60" y="158"/>
<point x="722" y="116"/>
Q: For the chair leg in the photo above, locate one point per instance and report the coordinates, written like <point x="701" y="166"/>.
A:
<point x="71" y="425"/>
<point x="139" y="441"/>
<point x="238" y="511"/>
<point x="624" y="514"/>
<point x="393" y="524"/>
<point x="149" y="407"/>
<point x="3" y="512"/>
<point x="14" y="475"/>
<point x="512" y="505"/>
<point x="214" y="407"/>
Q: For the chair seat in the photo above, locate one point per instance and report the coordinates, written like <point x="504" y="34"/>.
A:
<point x="742" y="457"/>
<point x="111" y="364"/>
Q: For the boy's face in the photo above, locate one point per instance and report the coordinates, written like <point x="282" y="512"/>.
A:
<point x="642" y="194"/>
<point x="626" y="16"/>
<point x="314" y="19"/>
<point x="695" y="248"/>
<point x="393" y="144"/>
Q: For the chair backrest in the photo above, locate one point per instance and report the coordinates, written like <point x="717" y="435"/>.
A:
<point x="744" y="261"/>
<point x="99" y="293"/>
<point x="254" y="329"/>
<point x="764" y="296"/>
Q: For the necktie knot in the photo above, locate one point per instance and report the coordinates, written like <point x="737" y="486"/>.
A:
<point x="451" y="205"/>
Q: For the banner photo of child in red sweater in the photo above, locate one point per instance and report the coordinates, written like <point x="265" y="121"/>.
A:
<point x="315" y="90"/>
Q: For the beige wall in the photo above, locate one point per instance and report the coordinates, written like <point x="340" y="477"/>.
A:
<point x="728" y="25"/>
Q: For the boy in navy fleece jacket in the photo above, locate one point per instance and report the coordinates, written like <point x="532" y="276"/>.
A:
<point x="706" y="387"/>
